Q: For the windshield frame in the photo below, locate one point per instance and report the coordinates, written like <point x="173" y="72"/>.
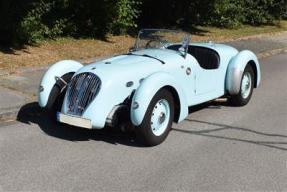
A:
<point x="184" y="41"/>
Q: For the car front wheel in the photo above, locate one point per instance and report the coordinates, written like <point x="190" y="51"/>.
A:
<point x="56" y="98"/>
<point x="158" y="119"/>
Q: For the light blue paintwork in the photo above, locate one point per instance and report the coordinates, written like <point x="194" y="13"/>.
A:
<point x="236" y="68"/>
<point x="145" y="93"/>
<point x="149" y="75"/>
<point x="48" y="80"/>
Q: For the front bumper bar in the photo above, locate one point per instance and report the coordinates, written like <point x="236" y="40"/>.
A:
<point x="75" y="121"/>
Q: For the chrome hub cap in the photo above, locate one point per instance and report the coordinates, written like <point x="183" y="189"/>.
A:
<point x="246" y="85"/>
<point x="160" y="117"/>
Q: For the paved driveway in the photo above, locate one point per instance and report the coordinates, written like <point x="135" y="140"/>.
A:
<point x="217" y="148"/>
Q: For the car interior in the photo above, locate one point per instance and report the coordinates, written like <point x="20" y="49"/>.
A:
<point x="207" y="58"/>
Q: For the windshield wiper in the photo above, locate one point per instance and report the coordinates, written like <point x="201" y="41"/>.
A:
<point x="145" y="55"/>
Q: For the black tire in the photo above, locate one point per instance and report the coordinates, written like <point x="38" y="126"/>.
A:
<point x="239" y="100"/>
<point x="56" y="98"/>
<point x="144" y="132"/>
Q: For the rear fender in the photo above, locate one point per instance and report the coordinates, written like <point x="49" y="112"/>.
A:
<point x="50" y="78"/>
<point x="236" y="68"/>
<point x="146" y="91"/>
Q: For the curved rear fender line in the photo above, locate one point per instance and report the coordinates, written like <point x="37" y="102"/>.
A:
<point x="236" y="68"/>
<point x="146" y="91"/>
<point x="48" y="80"/>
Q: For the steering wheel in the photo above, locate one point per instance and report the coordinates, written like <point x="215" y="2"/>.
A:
<point x="155" y="42"/>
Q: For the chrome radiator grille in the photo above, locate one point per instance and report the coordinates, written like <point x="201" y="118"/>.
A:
<point x="81" y="91"/>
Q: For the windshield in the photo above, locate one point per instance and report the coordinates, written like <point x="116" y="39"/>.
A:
<point x="160" y="39"/>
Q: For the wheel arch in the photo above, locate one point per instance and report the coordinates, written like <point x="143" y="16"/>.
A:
<point x="176" y="100"/>
<point x="145" y="92"/>
<point x="50" y="77"/>
<point x="236" y="68"/>
<point x="57" y="89"/>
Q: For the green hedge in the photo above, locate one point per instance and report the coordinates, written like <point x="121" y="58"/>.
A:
<point x="29" y="21"/>
<point x="233" y="13"/>
<point x="222" y="13"/>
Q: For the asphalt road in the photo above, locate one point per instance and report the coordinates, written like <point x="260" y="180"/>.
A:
<point x="218" y="148"/>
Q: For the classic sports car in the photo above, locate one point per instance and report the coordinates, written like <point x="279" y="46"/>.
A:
<point x="150" y="87"/>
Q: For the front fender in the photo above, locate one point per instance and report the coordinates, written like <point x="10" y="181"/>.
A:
<point x="48" y="80"/>
<point x="236" y="68"/>
<point x="146" y="91"/>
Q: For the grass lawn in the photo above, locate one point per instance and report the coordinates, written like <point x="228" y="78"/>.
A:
<point x="86" y="50"/>
<point x="219" y="34"/>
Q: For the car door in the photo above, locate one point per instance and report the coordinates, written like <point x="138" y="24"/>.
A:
<point x="206" y="72"/>
<point x="205" y="80"/>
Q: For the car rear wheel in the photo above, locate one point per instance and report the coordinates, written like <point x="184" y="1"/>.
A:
<point x="158" y="119"/>
<point x="246" y="88"/>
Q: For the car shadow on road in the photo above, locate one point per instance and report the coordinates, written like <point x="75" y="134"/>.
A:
<point x="32" y="113"/>
<point x="222" y="127"/>
<point x="217" y="104"/>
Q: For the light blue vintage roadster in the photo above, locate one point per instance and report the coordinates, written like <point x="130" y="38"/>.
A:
<point x="150" y="87"/>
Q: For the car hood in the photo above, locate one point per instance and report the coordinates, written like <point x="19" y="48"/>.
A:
<point x="133" y="67"/>
<point x="118" y="77"/>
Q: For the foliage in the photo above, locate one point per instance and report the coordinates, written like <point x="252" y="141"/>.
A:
<point x="127" y="12"/>
<point x="11" y="13"/>
<point x="227" y="13"/>
<point x="29" y="21"/>
<point x="34" y="28"/>
<point x="175" y="14"/>
<point x="233" y="13"/>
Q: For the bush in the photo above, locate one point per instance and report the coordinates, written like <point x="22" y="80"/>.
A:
<point x="263" y="11"/>
<point x="29" y="21"/>
<point x="227" y="13"/>
<point x="127" y="11"/>
<point x="233" y="13"/>
<point x="11" y="14"/>
<point x="33" y="27"/>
